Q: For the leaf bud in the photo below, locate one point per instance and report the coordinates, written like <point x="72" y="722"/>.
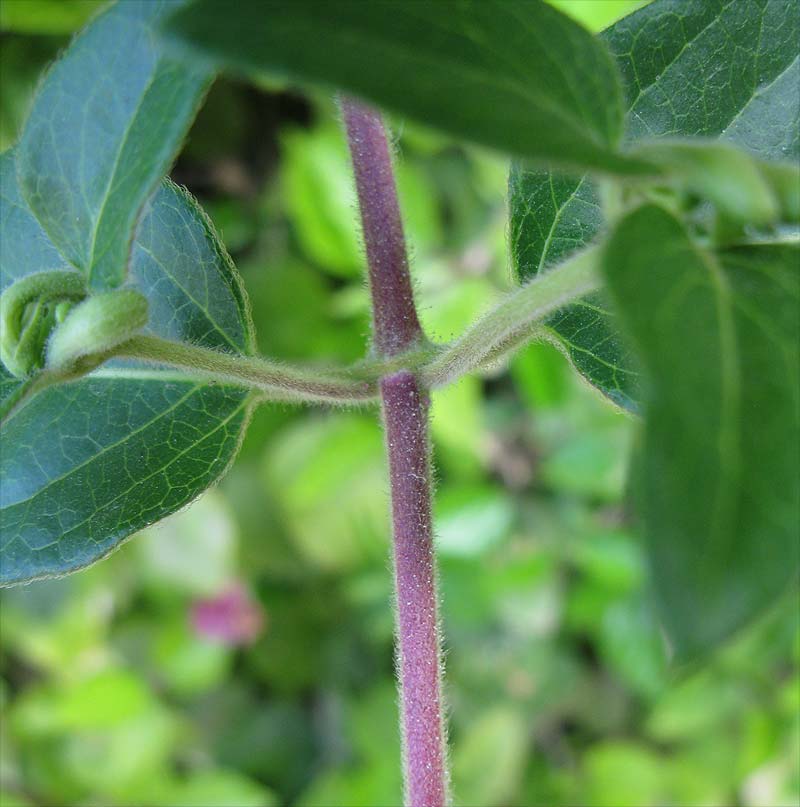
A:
<point x="29" y="310"/>
<point x="97" y="325"/>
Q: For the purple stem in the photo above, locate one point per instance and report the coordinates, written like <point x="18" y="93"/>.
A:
<point x="394" y="316"/>
<point x="405" y="418"/>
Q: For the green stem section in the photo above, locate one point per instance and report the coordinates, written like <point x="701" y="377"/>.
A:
<point x="514" y="320"/>
<point x="509" y="325"/>
<point x="269" y="377"/>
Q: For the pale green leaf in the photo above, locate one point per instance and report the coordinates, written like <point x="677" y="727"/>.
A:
<point x="719" y="340"/>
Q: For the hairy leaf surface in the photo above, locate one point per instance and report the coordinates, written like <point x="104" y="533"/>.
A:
<point x="719" y="339"/>
<point x="104" y="127"/>
<point x="512" y="74"/>
<point x="86" y="464"/>
<point x="716" y="68"/>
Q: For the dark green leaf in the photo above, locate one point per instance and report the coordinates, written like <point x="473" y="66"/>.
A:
<point x="511" y="74"/>
<point x="726" y="68"/>
<point x="104" y="127"/>
<point x="86" y="464"/>
<point x="550" y="218"/>
<point x="719" y="340"/>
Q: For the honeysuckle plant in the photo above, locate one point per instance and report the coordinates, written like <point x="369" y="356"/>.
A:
<point x="654" y="204"/>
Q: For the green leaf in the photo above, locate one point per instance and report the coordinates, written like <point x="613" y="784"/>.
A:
<point x="622" y="772"/>
<point x="719" y="339"/>
<point x="329" y="477"/>
<point x="86" y="464"/>
<point x="104" y="127"/>
<point x="511" y="74"/>
<point x="677" y="61"/>
<point x="217" y="788"/>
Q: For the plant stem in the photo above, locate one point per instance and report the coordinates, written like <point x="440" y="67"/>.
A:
<point x="272" y="380"/>
<point x="405" y="418"/>
<point x="396" y="327"/>
<point x="514" y="319"/>
<point x="269" y="377"/>
<point x="510" y="324"/>
<point x="405" y="415"/>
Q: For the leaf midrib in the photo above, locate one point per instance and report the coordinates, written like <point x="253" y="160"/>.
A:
<point x="117" y="159"/>
<point x="556" y="219"/>
<point x="758" y="91"/>
<point x="730" y="449"/>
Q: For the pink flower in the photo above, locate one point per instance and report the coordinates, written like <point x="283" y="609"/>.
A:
<point x="232" y="617"/>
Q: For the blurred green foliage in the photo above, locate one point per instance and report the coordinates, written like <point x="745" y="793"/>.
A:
<point x="47" y="16"/>
<point x="557" y="680"/>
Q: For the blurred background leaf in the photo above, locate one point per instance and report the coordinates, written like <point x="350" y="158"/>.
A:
<point x="47" y="16"/>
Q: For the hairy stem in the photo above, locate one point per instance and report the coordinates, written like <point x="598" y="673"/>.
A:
<point x="516" y="317"/>
<point x="405" y="415"/>
<point x="272" y="381"/>
<point x="396" y="327"/>
<point x="269" y="377"/>
<point x="509" y="325"/>
<point x="405" y="418"/>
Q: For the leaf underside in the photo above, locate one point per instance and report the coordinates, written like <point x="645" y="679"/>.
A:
<point x="719" y="338"/>
<point x="516" y="75"/>
<point x="87" y="464"/>
<point x="676" y="61"/>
